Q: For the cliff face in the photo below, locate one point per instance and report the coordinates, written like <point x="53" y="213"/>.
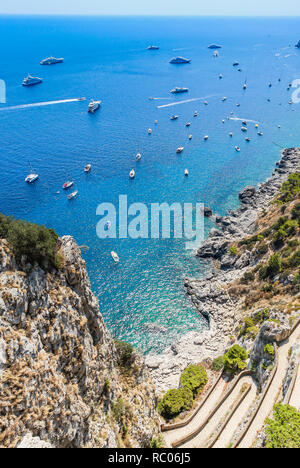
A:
<point x="59" y="379"/>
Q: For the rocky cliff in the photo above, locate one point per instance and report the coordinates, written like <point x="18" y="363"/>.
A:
<point x="60" y="381"/>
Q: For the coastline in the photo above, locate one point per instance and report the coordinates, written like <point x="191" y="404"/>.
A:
<point x="208" y="295"/>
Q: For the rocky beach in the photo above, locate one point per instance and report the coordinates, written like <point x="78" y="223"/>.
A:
<point x="210" y="295"/>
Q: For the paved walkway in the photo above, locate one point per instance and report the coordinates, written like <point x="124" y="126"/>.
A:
<point x="266" y="408"/>
<point x="295" y="397"/>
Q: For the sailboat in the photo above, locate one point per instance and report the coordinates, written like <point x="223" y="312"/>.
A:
<point x="32" y="177"/>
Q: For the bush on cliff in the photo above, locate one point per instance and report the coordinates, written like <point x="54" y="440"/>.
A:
<point x="124" y="353"/>
<point x="235" y="359"/>
<point x="175" y="401"/>
<point x="290" y="188"/>
<point x="195" y="378"/>
<point x="34" y="243"/>
<point x="284" y="430"/>
<point x="218" y="364"/>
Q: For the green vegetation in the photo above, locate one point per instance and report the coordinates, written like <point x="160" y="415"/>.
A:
<point x="157" y="442"/>
<point x="31" y="242"/>
<point x="290" y="188"/>
<point x="272" y="269"/>
<point x="235" y="359"/>
<point x="218" y="364"/>
<point x="124" y="353"/>
<point x="284" y="430"/>
<point x="195" y="378"/>
<point x="233" y="250"/>
<point x="118" y="410"/>
<point x="250" y="327"/>
<point x="175" y="401"/>
<point x="269" y="349"/>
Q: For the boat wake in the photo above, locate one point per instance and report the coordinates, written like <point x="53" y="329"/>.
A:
<point x="184" y="102"/>
<point x="242" y="120"/>
<point x="40" y="104"/>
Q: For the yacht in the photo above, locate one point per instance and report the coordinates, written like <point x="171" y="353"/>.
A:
<point x="196" y="114"/>
<point x="73" y="195"/>
<point x="115" y="257"/>
<point x="68" y="185"/>
<point x="31" y="81"/>
<point x="138" y="157"/>
<point x="174" y="117"/>
<point x="180" y="149"/>
<point x="93" y="106"/>
<point x="178" y="90"/>
<point x="88" y="168"/>
<point x="179" y="60"/>
<point x="152" y="47"/>
<point x="51" y="61"/>
<point x="31" y="178"/>
<point x="132" y="174"/>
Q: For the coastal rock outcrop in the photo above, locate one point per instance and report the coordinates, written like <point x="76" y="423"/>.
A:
<point x="60" y="382"/>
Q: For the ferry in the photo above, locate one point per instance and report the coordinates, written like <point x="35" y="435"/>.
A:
<point x="31" y="178"/>
<point x="51" y="61"/>
<point x="190" y="137"/>
<point x="152" y="47"/>
<point x="88" y="168"/>
<point x="179" y="60"/>
<point x="68" y="185"/>
<point x="178" y="90"/>
<point x="73" y="195"/>
<point x="31" y="81"/>
<point x="93" y="106"/>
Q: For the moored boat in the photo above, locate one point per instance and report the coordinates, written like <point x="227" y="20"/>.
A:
<point x="68" y="185"/>
<point x="180" y="149"/>
<point x="88" y="168"/>
<point x="93" y="106"/>
<point x="174" y="117"/>
<point x="179" y="60"/>
<point x="178" y="90"/>
<point x="73" y="195"/>
<point x="138" y="157"/>
<point x="31" y="178"/>
<point x="186" y="172"/>
<point x="31" y="81"/>
<point x="51" y="61"/>
<point x="115" y="256"/>
<point x="132" y="174"/>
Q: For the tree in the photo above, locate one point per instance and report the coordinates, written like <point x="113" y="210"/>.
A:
<point x="195" y="378"/>
<point x="234" y="359"/>
<point x="175" y="401"/>
<point x="284" y="430"/>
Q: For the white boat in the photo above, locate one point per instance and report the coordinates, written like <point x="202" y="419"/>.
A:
<point x="186" y="172"/>
<point x="132" y="174"/>
<point x="138" y="157"/>
<point x="216" y="54"/>
<point x="188" y="124"/>
<point x="178" y="90"/>
<point x="115" y="256"/>
<point x="196" y="114"/>
<point x="230" y="134"/>
<point x="31" y="178"/>
<point x="224" y="98"/>
<point x="73" y="195"/>
<point x="174" y="117"/>
<point x="68" y="185"/>
<point x="88" y="168"/>
<point x="237" y="148"/>
<point x="244" y="129"/>
<point x="220" y="76"/>
<point x="190" y="137"/>
<point x="93" y="106"/>
<point x="206" y="137"/>
<point x="260" y="133"/>
<point x="149" y="131"/>
<point x="206" y="103"/>
<point x="248" y="139"/>
<point x="180" y="149"/>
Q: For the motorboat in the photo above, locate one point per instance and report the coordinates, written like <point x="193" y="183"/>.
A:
<point x="230" y="134"/>
<point x="206" y="103"/>
<point x="31" y="178"/>
<point x="152" y="47"/>
<point x="115" y="257"/>
<point x="93" y="106"/>
<point x="244" y="129"/>
<point x="174" y="117"/>
<point x="205" y="137"/>
<point x="179" y="61"/>
<point x="51" y="61"/>
<point x="237" y="148"/>
<point x="190" y="137"/>
<point x="260" y="133"/>
<point x="178" y="90"/>
<point x="186" y="172"/>
<point x="132" y="174"/>
<point x="73" y="195"/>
<point x="248" y="139"/>
<point x="220" y="76"/>
<point x="224" y="99"/>
<point x="188" y="124"/>
<point x="196" y="114"/>
<point x="235" y="64"/>
<point x="31" y="81"/>
<point x="149" y="131"/>
<point x="138" y="157"/>
<point x="88" y="168"/>
<point x="68" y="185"/>
<point x="180" y="149"/>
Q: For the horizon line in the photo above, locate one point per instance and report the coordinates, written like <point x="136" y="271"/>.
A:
<point x="162" y="15"/>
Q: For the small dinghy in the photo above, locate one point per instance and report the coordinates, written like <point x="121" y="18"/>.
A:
<point x="132" y="174"/>
<point x="115" y="256"/>
<point x="138" y="157"/>
<point x="68" y="185"/>
<point x="88" y="168"/>
<point x="73" y="195"/>
<point x="180" y="149"/>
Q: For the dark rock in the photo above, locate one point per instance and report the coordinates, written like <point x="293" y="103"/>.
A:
<point x="207" y="212"/>
<point x="248" y="192"/>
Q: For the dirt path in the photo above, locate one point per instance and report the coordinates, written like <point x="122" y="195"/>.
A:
<point x="240" y="414"/>
<point x="272" y="393"/>
<point x="172" y="436"/>
<point x="200" y="439"/>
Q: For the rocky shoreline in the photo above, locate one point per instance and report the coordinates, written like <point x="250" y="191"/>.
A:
<point x="209" y="295"/>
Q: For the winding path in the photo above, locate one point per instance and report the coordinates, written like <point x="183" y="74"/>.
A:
<point x="295" y="397"/>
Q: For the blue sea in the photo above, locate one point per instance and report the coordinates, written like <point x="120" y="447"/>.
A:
<point x="106" y="58"/>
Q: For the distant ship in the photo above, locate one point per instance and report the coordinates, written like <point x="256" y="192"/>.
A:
<point x="31" y="81"/>
<point x="51" y="61"/>
<point x="93" y="106"/>
<point x="180" y="60"/>
<point x="152" y="47"/>
<point x="298" y="45"/>
<point x="178" y="90"/>
<point x="214" y="46"/>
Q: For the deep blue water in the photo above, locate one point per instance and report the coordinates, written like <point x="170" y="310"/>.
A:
<point x="105" y="58"/>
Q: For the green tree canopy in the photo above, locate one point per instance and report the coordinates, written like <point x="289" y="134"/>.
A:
<point x="195" y="378"/>
<point x="235" y="359"/>
<point x="284" y="430"/>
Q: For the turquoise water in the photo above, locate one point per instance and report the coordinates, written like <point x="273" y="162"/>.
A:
<point x="105" y="58"/>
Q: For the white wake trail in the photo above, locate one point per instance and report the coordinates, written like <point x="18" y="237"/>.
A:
<point x="40" y="104"/>
<point x="246" y="120"/>
<point x="183" y="102"/>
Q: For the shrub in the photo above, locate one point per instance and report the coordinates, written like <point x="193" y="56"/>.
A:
<point x="248" y="277"/>
<point x="290" y="188"/>
<point x="118" y="410"/>
<point x="272" y="269"/>
<point x="284" y="430"/>
<point x="294" y="261"/>
<point x="233" y="250"/>
<point x="296" y="212"/>
<point x="195" y="378"/>
<point x="218" y="364"/>
<point x="234" y="359"/>
<point x="157" y="442"/>
<point x="175" y="401"/>
<point x="269" y="349"/>
<point x="124" y="353"/>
